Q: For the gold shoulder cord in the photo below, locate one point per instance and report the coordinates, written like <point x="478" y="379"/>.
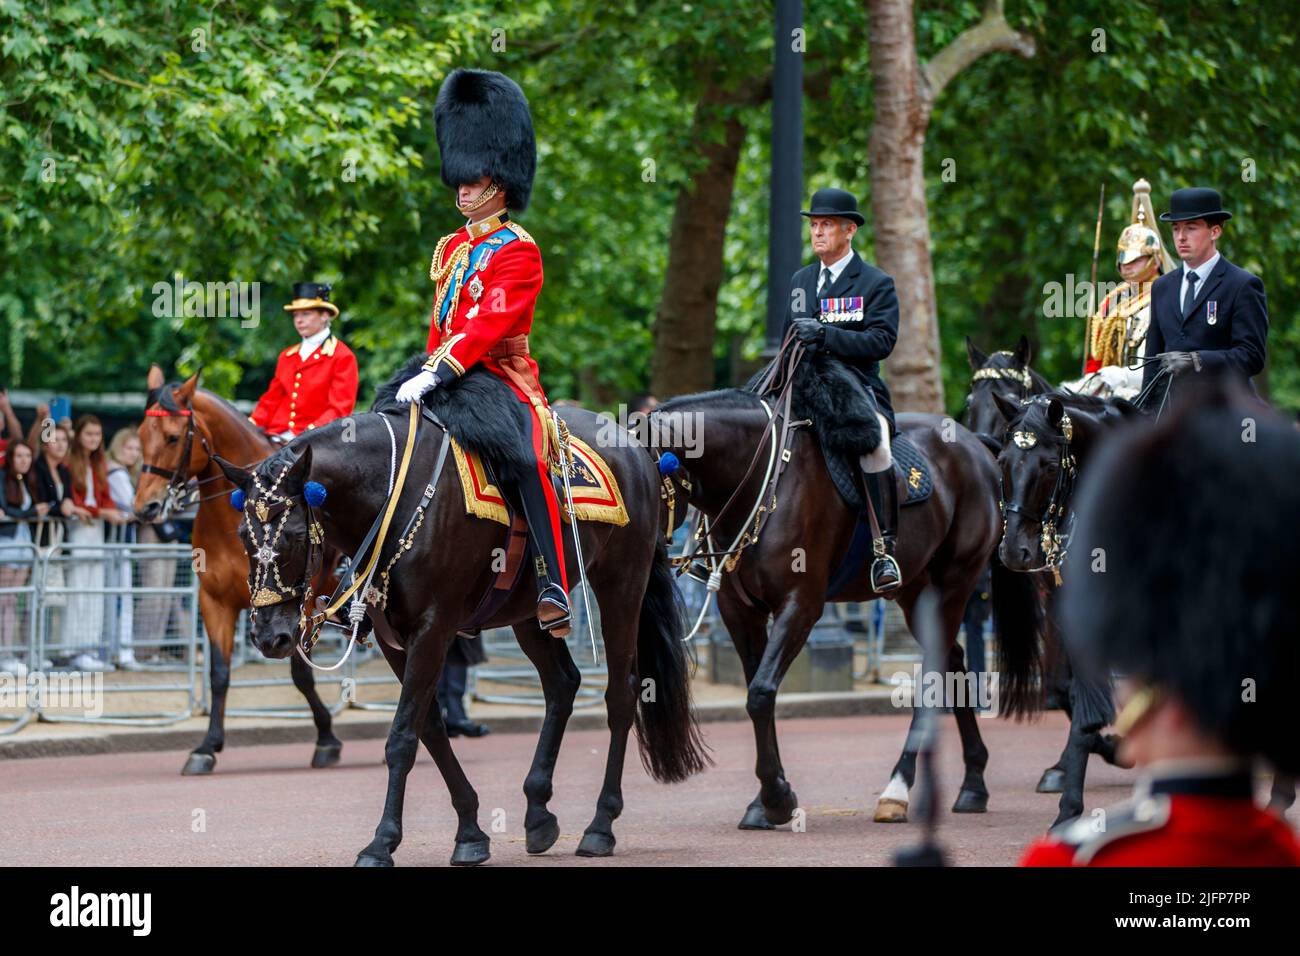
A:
<point x="441" y="275"/>
<point x="522" y="233"/>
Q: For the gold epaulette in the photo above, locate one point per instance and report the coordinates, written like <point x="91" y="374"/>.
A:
<point x="521" y="232"/>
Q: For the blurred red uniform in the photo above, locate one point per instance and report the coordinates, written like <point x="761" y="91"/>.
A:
<point x="1209" y="820"/>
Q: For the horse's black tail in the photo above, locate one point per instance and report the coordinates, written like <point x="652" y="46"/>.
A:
<point x="671" y="746"/>
<point x="1017" y="620"/>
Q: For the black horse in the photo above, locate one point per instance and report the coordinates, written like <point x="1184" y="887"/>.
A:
<point x="437" y="584"/>
<point x="789" y="537"/>
<point x="1047" y="441"/>
<point x="1003" y="373"/>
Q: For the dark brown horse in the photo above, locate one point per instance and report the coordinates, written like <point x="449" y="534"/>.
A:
<point x="784" y="576"/>
<point x="438" y="583"/>
<point x="184" y="427"/>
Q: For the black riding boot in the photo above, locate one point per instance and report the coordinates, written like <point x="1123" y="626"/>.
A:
<point x="885" y="573"/>
<point x="552" y="602"/>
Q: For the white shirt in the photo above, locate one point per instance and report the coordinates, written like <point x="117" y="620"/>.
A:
<point x="310" y="343"/>
<point x="836" y="268"/>
<point x="1202" y="273"/>
<point x="90" y="486"/>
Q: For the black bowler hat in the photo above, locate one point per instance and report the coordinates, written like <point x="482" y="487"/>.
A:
<point x="1196" y="203"/>
<point x="834" y="202"/>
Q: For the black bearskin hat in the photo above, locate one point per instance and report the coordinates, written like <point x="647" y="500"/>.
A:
<point x="485" y="129"/>
<point x="1195" y="517"/>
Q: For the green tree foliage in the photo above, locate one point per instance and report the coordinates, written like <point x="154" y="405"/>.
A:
<point x="276" y="141"/>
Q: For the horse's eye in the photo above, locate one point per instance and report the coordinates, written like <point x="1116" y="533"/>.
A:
<point x="173" y="439"/>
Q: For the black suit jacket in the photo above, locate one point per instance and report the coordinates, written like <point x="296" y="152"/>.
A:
<point x="1235" y="342"/>
<point x="861" y="344"/>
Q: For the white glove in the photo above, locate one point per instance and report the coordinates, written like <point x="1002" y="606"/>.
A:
<point x="413" y="388"/>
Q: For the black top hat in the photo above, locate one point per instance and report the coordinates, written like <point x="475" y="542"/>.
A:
<point x="834" y="202"/>
<point x="1195" y="203"/>
<point x="312" y="295"/>
<point x="484" y="128"/>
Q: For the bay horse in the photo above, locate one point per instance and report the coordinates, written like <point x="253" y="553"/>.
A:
<point x="785" y="574"/>
<point x="1049" y="439"/>
<point x="184" y="427"/>
<point x="449" y="563"/>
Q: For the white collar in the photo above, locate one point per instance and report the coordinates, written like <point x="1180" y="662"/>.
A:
<point x="310" y="343"/>
<point x="836" y="267"/>
<point x="1204" y="269"/>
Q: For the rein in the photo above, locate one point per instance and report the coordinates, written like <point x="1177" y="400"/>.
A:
<point x="718" y="562"/>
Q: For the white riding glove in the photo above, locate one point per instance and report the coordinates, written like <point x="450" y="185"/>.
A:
<point x="413" y="388"/>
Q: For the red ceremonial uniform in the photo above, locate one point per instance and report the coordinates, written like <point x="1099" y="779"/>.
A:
<point x="1186" y="822"/>
<point x="307" y="393"/>
<point x="491" y="271"/>
<point x="503" y="307"/>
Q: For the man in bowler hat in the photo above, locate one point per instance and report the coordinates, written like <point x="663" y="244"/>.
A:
<point x="1209" y="315"/>
<point x="848" y="308"/>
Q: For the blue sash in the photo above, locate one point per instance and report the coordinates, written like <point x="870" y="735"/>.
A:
<point x="478" y="260"/>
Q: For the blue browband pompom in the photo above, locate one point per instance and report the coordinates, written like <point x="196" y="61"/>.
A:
<point x="668" y="463"/>
<point x="314" y="492"/>
<point x="237" y="499"/>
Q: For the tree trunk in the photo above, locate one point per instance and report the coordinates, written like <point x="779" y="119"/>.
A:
<point x="904" y="93"/>
<point x="685" y="326"/>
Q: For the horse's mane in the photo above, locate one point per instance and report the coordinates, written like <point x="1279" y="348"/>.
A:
<point x="719" y="398"/>
<point x="165" y="397"/>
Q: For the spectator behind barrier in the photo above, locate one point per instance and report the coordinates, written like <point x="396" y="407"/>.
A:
<point x="92" y="505"/>
<point x="21" y="501"/>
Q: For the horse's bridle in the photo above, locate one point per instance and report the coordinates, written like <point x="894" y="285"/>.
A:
<point x="272" y="511"/>
<point x="178" y="478"/>
<point x="1019" y="375"/>
<point x="1053" y="542"/>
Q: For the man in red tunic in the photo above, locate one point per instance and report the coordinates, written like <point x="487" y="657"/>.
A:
<point x="487" y="275"/>
<point x="315" y="381"/>
<point x="1196" y="606"/>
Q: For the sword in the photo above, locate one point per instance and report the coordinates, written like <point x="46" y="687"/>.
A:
<point x="565" y="457"/>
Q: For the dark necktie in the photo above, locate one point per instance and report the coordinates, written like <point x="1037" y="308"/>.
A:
<point x="825" y="283"/>
<point x="1188" y="299"/>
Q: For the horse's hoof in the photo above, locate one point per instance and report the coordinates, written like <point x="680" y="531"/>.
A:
<point x="971" y="801"/>
<point x="889" y="810"/>
<point x="471" y="853"/>
<point x="366" y="859"/>
<point x="755" y="819"/>
<point x="326" y="755"/>
<point x="596" y="844"/>
<point x="782" y="814"/>
<point x="1108" y="749"/>
<point x="198" y="764"/>
<point x="1052" y="781"/>
<point x="542" y="837"/>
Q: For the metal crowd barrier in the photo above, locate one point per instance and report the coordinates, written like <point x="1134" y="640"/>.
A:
<point x="135" y="605"/>
<point x="96" y="620"/>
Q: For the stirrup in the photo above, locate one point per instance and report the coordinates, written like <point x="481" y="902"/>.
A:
<point x="559" y="620"/>
<point x="883" y="561"/>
